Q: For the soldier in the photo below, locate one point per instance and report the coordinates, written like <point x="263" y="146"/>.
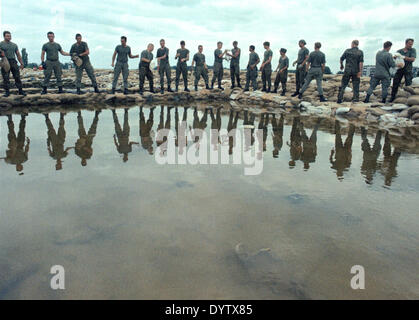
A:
<point x="235" y="65"/>
<point x="342" y="153"/>
<point x="300" y="72"/>
<point x="201" y="68"/>
<point x="266" y="68"/>
<point x="282" y="72"/>
<point x="163" y="66"/>
<point x="354" y="64"/>
<point x="383" y="62"/>
<point x="182" y="56"/>
<point x="121" y="136"/>
<point x="409" y="56"/>
<point x="123" y="51"/>
<point x="51" y="48"/>
<point x="146" y="130"/>
<point x="83" y="147"/>
<point x="10" y="50"/>
<point x="218" y="69"/>
<point x="317" y="63"/>
<point x="81" y="50"/>
<point x="252" y="70"/>
<point x="144" y="68"/>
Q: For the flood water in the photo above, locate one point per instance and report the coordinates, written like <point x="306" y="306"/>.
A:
<point x="84" y="191"/>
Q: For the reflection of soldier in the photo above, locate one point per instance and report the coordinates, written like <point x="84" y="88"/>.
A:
<point x="181" y="139"/>
<point x="145" y="130"/>
<point x="215" y="127"/>
<point x="389" y="165"/>
<point x="309" y="153"/>
<point x="263" y="125"/>
<point x="121" y="136"/>
<point x="342" y="152"/>
<point x="295" y="142"/>
<point x="249" y="139"/>
<point x="277" y="133"/>
<point x="56" y="141"/>
<point x="369" y="163"/>
<point x="83" y="147"/>
<point x="199" y="125"/>
<point x="231" y="128"/>
<point x="17" y="152"/>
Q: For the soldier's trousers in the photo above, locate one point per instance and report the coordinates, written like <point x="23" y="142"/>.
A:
<point x="14" y="68"/>
<point x="355" y="83"/>
<point x="182" y="68"/>
<point x="408" y="76"/>
<point x="50" y="67"/>
<point x="90" y="73"/>
<point x="314" y="73"/>
<point x="281" y="77"/>
<point x="266" y="77"/>
<point x="235" y="73"/>
<point x="201" y="71"/>
<point x="300" y="75"/>
<point x="385" y="84"/>
<point x="120" y="67"/>
<point x="145" y="72"/>
<point x="251" y="76"/>
<point x="218" y="73"/>
<point x="164" y="69"/>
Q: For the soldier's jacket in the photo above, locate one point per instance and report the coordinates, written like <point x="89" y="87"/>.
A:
<point x="199" y="59"/>
<point x="52" y="50"/>
<point x="123" y="53"/>
<point x="316" y="59"/>
<point x="353" y="57"/>
<point x="79" y="49"/>
<point x="411" y="53"/>
<point x="253" y="58"/>
<point x="217" y="59"/>
<point x="160" y="53"/>
<point x="302" y="53"/>
<point x="183" y="54"/>
<point x="383" y="62"/>
<point x="267" y="54"/>
<point x="283" y="62"/>
<point x="147" y="55"/>
<point x="9" y="49"/>
<point x="235" y="60"/>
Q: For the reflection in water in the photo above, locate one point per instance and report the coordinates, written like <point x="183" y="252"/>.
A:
<point x="231" y="128"/>
<point x="389" y="164"/>
<point x="121" y="136"/>
<point x="83" y="147"/>
<point x="309" y="153"/>
<point x="369" y="164"/>
<point x="277" y="134"/>
<point x="146" y="130"/>
<point x="295" y="142"/>
<point x="215" y="128"/>
<point x="342" y="152"/>
<point x="249" y="123"/>
<point x="17" y="152"/>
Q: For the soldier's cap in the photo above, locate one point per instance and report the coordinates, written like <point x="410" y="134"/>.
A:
<point x="283" y="50"/>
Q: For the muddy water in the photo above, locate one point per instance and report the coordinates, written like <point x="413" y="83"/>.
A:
<point x="86" y="193"/>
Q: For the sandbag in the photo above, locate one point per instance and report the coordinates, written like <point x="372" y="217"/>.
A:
<point x="77" y="60"/>
<point x="4" y="64"/>
<point x="398" y="59"/>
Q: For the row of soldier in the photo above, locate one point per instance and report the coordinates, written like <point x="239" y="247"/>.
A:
<point x="302" y="147"/>
<point x="309" y="66"/>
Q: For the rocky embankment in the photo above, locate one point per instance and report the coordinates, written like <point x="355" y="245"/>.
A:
<point x="404" y="112"/>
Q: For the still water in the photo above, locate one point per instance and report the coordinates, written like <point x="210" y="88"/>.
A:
<point x="83" y="190"/>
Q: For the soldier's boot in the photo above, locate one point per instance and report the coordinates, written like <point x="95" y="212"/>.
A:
<point x="169" y="89"/>
<point x="275" y="89"/>
<point x="283" y="92"/>
<point x="367" y="98"/>
<point x="238" y="83"/>
<point x="220" y="87"/>
<point x="268" y="90"/>
<point x="196" y="88"/>
<point x="186" y="89"/>
<point x="383" y="100"/>
<point x="126" y="91"/>
<point x="113" y="91"/>
<point x="177" y="87"/>
<point x="44" y="90"/>
<point x="322" y="98"/>
<point x="300" y="96"/>
<point x="340" y="95"/>
<point x="60" y="90"/>
<point x="246" y="89"/>
<point x="161" y="90"/>
<point x="79" y="91"/>
<point x="393" y="97"/>
<point x="96" y="89"/>
<point x="21" y="92"/>
<point x="296" y="93"/>
<point x="264" y="88"/>
<point x="212" y="85"/>
<point x="152" y="88"/>
<point x="6" y="93"/>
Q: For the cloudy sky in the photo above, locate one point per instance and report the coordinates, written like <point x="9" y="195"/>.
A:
<point x="282" y="22"/>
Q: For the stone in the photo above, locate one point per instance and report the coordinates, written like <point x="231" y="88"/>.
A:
<point x="395" y="107"/>
<point x="342" y="110"/>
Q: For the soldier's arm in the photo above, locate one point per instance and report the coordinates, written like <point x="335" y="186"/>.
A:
<point x="411" y="59"/>
<point x="19" y="58"/>
<point x="205" y="65"/>
<point x="134" y="57"/>
<point x="323" y="66"/>
<point x="187" y="58"/>
<point x="113" y="58"/>
<point x="43" y="56"/>
<point x="361" y="67"/>
<point x="64" y="53"/>
<point x="305" y="60"/>
<point x="86" y="53"/>
<point x="193" y="63"/>
<point x="1" y="53"/>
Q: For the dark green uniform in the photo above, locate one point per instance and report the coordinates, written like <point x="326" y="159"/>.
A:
<point x="83" y="147"/>
<point x="144" y="70"/>
<point x="252" y="74"/>
<point x="164" y="66"/>
<point x="182" y="67"/>
<point x="267" y="70"/>
<point x="200" y="69"/>
<point x="86" y="65"/>
<point x="282" y="76"/>
<point x="316" y="59"/>
<point x="300" y="73"/>
<point x="218" y="67"/>
<point x="405" y="72"/>
<point x="235" y="67"/>
<point x="353" y="57"/>
<point x="56" y="140"/>
<point x="383" y="62"/>
<point x="18" y="151"/>
<point x="121" y="65"/>
<point x="52" y="63"/>
<point x="10" y="50"/>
